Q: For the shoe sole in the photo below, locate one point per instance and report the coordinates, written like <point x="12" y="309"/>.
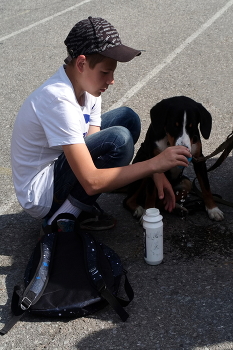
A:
<point x="97" y="228"/>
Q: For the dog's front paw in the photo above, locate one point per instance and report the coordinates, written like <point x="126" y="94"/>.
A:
<point x="215" y="214"/>
<point x="139" y="212"/>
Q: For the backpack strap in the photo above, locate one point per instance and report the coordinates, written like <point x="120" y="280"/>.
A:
<point x="39" y="281"/>
<point x="117" y="270"/>
<point x="21" y="301"/>
<point x="112" y="300"/>
<point x="128" y="290"/>
<point x="96" y="277"/>
<point x="116" y="302"/>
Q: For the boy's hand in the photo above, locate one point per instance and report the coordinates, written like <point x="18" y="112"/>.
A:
<point x="173" y="156"/>
<point x="165" y="191"/>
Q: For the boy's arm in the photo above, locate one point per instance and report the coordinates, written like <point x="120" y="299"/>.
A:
<point x="93" y="129"/>
<point x="95" y="180"/>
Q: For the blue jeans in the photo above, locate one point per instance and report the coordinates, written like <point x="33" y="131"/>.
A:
<point x="112" y="146"/>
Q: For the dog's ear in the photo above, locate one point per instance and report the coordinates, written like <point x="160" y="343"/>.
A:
<point x="205" y="121"/>
<point x="158" y="116"/>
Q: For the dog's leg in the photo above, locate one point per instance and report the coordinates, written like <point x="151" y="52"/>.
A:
<point x="213" y="211"/>
<point x="182" y="189"/>
<point x="136" y="190"/>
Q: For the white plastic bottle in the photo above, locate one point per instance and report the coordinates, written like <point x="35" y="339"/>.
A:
<point x="153" y="236"/>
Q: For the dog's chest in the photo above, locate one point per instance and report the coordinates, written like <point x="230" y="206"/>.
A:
<point x="175" y="172"/>
<point x="162" y="144"/>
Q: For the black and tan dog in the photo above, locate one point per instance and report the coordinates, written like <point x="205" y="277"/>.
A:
<point x="174" y="121"/>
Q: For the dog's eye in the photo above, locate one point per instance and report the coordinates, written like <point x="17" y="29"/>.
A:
<point x="190" y="126"/>
<point x="177" y="124"/>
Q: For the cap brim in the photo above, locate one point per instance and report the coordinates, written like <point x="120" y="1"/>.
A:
<point x="121" y="53"/>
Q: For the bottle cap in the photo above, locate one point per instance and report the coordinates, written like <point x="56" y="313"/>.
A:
<point x="152" y="215"/>
<point x="152" y="212"/>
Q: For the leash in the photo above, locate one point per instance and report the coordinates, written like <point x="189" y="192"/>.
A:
<point x="226" y="148"/>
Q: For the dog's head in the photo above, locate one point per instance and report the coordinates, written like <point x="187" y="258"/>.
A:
<point x="178" y="118"/>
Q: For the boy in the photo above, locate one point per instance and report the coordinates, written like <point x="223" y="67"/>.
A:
<point x="64" y="153"/>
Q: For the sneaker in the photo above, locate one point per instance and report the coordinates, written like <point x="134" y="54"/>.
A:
<point x="63" y="223"/>
<point x="45" y="228"/>
<point x="96" y="222"/>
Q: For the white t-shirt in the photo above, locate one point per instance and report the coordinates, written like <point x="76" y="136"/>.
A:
<point x="49" y="118"/>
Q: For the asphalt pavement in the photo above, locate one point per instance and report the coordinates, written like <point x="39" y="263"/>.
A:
<point x="187" y="301"/>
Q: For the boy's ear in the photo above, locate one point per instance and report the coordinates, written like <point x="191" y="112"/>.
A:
<point x="80" y="60"/>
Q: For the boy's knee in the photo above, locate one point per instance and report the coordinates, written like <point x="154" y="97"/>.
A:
<point x="133" y="122"/>
<point x="129" y="113"/>
<point x="126" y="143"/>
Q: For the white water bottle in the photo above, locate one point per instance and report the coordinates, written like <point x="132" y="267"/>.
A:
<point x="153" y="236"/>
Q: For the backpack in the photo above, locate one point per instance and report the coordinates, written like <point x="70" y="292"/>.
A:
<point x="70" y="274"/>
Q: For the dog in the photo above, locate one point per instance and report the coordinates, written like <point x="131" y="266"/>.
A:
<point x="174" y="121"/>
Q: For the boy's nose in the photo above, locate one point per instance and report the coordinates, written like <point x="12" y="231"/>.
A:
<point x="110" y="81"/>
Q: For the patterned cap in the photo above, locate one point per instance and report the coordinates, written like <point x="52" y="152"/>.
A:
<point x="96" y="35"/>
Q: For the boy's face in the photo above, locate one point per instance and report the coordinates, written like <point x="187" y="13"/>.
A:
<point x="97" y="80"/>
